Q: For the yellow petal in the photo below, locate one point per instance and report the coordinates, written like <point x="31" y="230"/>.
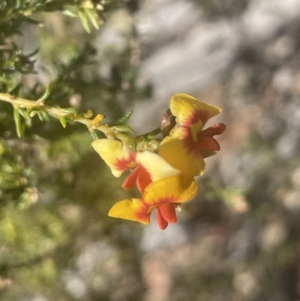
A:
<point x="176" y="189"/>
<point x="181" y="155"/>
<point x="131" y="209"/>
<point x="180" y="132"/>
<point x="191" y="111"/>
<point x="115" y="154"/>
<point x="155" y="165"/>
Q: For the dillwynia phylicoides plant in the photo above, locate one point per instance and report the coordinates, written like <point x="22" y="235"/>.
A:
<point x="162" y="163"/>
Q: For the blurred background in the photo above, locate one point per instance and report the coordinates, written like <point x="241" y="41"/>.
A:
<point x="239" y="239"/>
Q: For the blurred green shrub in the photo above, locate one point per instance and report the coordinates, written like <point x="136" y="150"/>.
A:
<point x="53" y="196"/>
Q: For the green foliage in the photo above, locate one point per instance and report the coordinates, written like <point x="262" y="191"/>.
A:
<point x="54" y="191"/>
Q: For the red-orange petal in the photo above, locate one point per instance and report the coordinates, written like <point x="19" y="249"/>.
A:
<point x="131" y="178"/>
<point x="143" y="179"/>
<point x="168" y="212"/>
<point x="162" y="223"/>
<point x="215" y="129"/>
<point x="208" y="143"/>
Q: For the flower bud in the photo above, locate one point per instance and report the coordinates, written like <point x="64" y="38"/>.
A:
<point x="167" y="122"/>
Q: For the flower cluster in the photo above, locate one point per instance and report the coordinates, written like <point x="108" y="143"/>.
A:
<point x="164" y="171"/>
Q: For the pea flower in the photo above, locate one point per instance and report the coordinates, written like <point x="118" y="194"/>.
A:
<point x="145" y="166"/>
<point x="163" y="196"/>
<point x="188" y="144"/>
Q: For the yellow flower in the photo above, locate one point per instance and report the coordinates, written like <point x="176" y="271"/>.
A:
<point x="188" y="144"/>
<point x="145" y="166"/>
<point x="163" y="196"/>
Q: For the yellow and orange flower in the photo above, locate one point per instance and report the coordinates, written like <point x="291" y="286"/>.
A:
<point x="188" y="144"/>
<point x="162" y="195"/>
<point x="145" y="166"/>
<point x="165" y="179"/>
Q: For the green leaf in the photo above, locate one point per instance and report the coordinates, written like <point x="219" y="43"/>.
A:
<point x="46" y="94"/>
<point x="90" y="13"/>
<point x="42" y="115"/>
<point x="18" y="122"/>
<point x="24" y="113"/>
<point x="63" y="121"/>
<point x="69" y="13"/>
<point x="70" y="112"/>
<point x="124" y="118"/>
<point x="28" y="122"/>
<point x="84" y="21"/>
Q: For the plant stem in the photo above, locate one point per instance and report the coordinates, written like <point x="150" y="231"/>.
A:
<point x="69" y="113"/>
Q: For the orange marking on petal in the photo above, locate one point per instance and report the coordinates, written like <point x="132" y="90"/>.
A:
<point x="131" y="178"/>
<point x="144" y="212"/>
<point x="190" y="111"/>
<point x="125" y="163"/>
<point x="162" y="223"/>
<point x="195" y="116"/>
<point x="191" y="146"/>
